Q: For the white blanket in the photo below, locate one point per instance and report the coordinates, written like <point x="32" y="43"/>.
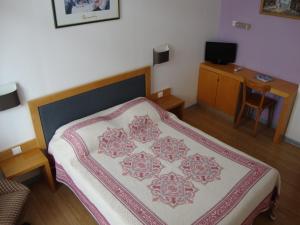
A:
<point x="138" y="164"/>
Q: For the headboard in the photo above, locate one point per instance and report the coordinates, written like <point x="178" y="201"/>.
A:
<point x="51" y="112"/>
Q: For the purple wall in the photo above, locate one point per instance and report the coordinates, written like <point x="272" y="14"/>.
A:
<point x="272" y="46"/>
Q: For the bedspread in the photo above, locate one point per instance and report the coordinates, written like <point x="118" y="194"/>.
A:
<point x="138" y="164"/>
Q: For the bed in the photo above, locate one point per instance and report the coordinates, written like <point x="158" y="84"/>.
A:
<point x="130" y="162"/>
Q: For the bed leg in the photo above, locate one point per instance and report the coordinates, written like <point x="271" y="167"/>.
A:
<point x="273" y="211"/>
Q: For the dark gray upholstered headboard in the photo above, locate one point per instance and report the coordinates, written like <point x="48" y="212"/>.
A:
<point x="51" y="112"/>
<point x="58" y="113"/>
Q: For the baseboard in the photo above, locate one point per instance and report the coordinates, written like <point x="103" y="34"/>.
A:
<point x="292" y="142"/>
<point x="26" y="179"/>
<point x="32" y="179"/>
<point x="215" y="111"/>
<point x="29" y="177"/>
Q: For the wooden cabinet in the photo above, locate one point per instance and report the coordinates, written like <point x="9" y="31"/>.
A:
<point x="207" y="87"/>
<point x="218" y="90"/>
<point x="227" y="95"/>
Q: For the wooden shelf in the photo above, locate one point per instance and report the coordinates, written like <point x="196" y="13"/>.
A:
<point x="26" y="162"/>
<point x="169" y="102"/>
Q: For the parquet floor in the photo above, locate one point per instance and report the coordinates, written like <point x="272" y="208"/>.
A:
<point x="63" y="208"/>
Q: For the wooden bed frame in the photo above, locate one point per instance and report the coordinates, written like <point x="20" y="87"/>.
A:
<point x="112" y="83"/>
<point x="122" y="82"/>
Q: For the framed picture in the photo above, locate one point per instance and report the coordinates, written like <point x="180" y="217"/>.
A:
<point x="76" y="12"/>
<point x="284" y="8"/>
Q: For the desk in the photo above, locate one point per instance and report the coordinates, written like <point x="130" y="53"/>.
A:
<point x="287" y="90"/>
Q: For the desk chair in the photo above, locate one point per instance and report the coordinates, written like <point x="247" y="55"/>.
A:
<point x="254" y="97"/>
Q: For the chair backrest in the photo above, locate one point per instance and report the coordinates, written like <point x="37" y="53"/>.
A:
<point x="256" y="87"/>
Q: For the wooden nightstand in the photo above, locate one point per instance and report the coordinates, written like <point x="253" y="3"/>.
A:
<point x="26" y="162"/>
<point x="169" y="102"/>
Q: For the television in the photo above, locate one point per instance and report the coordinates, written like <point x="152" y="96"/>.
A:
<point x="220" y="52"/>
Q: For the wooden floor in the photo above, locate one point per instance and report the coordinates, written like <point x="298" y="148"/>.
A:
<point x="63" y="208"/>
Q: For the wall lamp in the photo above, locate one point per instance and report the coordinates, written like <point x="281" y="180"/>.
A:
<point x="8" y="96"/>
<point x="161" y="54"/>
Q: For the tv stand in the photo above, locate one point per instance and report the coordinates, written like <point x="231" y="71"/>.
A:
<point x="219" y="87"/>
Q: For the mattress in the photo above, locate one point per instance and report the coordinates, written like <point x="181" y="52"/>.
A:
<point x="135" y="163"/>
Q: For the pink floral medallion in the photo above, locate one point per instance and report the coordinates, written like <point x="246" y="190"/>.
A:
<point x="169" y="149"/>
<point x="201" y="168"/>
<point x="173" y="189"/>
<point x="115" y="143"/>
<point x="142" y="129"/>
<point x="141" y="166"/>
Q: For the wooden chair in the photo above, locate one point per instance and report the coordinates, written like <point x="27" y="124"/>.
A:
<point x="254" y="97"/>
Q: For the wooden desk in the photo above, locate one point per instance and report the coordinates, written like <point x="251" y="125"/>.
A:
<point x="287" y="90"/>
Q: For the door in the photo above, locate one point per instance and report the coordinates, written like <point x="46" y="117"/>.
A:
<point x="207" y="87"/>
<point x="227" y="94"/>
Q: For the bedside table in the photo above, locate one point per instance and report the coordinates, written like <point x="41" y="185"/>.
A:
<point x="169" y="102"/>
<point x="26" y="162"/>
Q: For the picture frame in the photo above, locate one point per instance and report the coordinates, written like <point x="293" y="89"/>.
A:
<point x="77" y="12"/>
<point x="282" y="8"/>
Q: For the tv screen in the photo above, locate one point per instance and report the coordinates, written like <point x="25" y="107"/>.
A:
<point x="220" y="52"/>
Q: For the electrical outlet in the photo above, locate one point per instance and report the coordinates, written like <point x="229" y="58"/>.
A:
<point x="16" y="150"/>
<point x="160" y="94"/>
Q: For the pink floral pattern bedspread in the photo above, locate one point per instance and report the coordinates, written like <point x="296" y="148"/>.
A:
<point x="161" y="170"/>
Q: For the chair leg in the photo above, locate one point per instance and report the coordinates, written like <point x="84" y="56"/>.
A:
<point x="258" y="113"/>
<point x="248" y="112"/>
<point x="238" y="121"/>
<point x="271" y="115"/>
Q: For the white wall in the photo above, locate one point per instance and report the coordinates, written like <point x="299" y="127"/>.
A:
<point x="44" y="60"/>
<point x="293" y="131"/>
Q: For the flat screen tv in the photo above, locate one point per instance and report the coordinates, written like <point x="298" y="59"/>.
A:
<point x="220" y="52"/>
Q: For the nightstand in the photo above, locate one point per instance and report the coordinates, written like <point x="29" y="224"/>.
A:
<point x="169" y="102"/>
<point x="26" y="162"/>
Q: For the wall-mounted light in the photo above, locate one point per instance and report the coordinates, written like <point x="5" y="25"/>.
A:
<point x="8" y="96"/>
<point x="161" y="54"/>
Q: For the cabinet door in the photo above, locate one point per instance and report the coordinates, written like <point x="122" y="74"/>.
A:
<point x="207" y="87"/>
<point x="227" y="94"/>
